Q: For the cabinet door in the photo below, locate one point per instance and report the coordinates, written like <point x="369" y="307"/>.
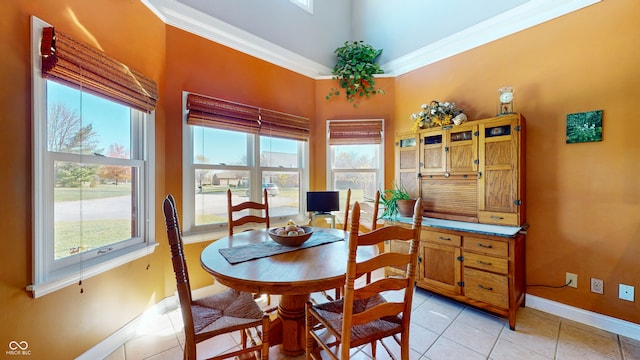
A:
<point x="499" y="156"/>
<point x="461" y="148"/>
<point x="440" y="267"/>
<point x="433" y="158"/>
<point x="407" y="159"/>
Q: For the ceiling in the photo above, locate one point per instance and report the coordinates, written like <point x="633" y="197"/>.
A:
<point x="411" y="33"/>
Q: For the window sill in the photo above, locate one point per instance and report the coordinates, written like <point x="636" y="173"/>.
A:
<point x="49" y="286"/>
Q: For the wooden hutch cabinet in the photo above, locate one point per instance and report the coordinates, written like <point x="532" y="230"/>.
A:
<point x="471" y="181"/>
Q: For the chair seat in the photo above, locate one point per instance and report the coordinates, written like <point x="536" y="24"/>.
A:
<point x="218" y="313"/>
<point x="331" y="314"/>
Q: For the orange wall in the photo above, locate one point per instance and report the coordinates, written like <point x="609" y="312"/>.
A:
<point x="583" y="199"/>
<point x="64" y="324"/>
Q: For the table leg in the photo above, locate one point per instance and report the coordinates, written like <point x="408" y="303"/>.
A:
<point x="291" y="312"/>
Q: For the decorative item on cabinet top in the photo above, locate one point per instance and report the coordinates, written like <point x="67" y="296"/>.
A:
<point x="505" y="100"/>
<point x="437" y="114"/>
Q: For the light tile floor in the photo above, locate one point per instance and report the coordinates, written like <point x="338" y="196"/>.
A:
<point x="441" y="329"/>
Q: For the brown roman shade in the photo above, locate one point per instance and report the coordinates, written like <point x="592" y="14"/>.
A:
<point x="228" y="115"/>
<point x="82" y="66"/>
<point x="355" y="132"/>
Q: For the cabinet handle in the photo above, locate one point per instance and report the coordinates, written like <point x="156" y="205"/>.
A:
<point x="484" y="263"/>
<point x="485" y="246"/>
<point x="479" y="174"/>
<point x="497" y="217"/>
<point x="444" y="238"/>
<point x="485" y="287"/>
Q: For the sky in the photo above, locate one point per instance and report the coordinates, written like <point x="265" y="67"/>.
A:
<point x="111" y="121"/>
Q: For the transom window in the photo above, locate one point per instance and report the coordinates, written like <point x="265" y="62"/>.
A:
<point x="307" y="5"/>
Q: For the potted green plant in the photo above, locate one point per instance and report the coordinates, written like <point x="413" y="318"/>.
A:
<point x="396" y="201"/>
<point x="355" y="70"/>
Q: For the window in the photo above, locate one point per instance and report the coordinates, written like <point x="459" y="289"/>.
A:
<point x="92" y="189"/>
<point x="222" y="156"/>
<point x="307" y="5"/>
<point x="356" y="158"/>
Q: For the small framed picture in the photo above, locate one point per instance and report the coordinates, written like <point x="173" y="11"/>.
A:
<point x="584" y="127"/>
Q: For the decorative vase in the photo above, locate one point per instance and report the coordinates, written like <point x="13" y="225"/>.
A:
<point x="405" y="207"/>
<point x="459" y="119"/>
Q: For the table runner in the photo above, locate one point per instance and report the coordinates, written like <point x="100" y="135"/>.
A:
<point x="238" y="254"/>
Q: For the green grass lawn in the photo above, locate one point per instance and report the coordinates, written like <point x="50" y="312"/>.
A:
<point x="89" y="193"/>
<point x="91" y="235"/>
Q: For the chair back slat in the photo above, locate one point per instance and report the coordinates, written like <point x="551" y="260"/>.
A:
<point x="232" y="209"/>
<point x="379" y="286"/>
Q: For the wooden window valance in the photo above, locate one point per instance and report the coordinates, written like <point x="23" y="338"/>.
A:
<point x="228" y="115"/>
<point x="81" y="66"/>
<point x="355" y="132"/>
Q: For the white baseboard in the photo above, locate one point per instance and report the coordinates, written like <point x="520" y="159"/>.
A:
<point x="127" y="332"/>
<point x="604" y="322"/>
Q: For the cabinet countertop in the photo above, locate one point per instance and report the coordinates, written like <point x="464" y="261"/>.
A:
<point x="485" y="229"/>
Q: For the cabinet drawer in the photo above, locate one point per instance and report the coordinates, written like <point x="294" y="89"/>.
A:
<point x="486" y="246"/>
<point x="484" y="262"/>
<point x="441" y="238"/>
<point x="498" y="218"/>
<point x="486" y="287"/>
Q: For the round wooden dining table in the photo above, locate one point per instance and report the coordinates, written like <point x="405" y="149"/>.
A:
<point x="294" y="275"/>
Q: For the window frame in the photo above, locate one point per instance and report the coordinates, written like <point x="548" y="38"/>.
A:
<point x="199" y="233"/>
<point x="331" y="171"/>
<point x="49" y="276"/>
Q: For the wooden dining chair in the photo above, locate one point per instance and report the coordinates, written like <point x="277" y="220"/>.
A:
<point x="369" y="221"/>
<point x="249" y="218"/>
<point x="263" y="208"/>
<point x="345" y="223"/>
<point x="345" y="227"/>
<point x="363" y="316"/>
<point x="218" y="314"/>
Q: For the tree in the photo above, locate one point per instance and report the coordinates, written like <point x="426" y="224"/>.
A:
<point x="115" y="172"/>
<point x="65" y="132"/>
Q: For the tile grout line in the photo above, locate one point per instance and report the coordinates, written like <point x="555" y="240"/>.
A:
<point x="620" y="347"/>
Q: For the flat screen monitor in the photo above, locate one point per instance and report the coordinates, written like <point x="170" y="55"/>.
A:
<point x="321" y="202"/>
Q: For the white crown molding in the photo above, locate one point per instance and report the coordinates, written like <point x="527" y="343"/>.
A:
<point x="196" y="22"/>
<point x="529" y="14"/>
<point x="522" y="17"/>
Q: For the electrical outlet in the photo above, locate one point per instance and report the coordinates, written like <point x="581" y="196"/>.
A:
<point x="597" y="286"/>
<point x="626" y="292"/>
<point x="571" y="280"/>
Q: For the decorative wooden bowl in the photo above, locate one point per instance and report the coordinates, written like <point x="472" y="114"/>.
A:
<point x="291" y="240"/>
